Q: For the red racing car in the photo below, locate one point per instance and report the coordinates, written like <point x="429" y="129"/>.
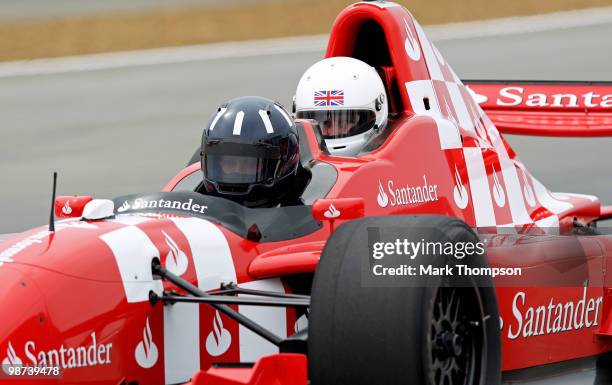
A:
<point x="180" y="287"/>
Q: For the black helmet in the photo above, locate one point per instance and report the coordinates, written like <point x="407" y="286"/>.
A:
<point x="250" y="152"/>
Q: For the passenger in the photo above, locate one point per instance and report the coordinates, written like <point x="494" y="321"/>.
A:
<point x="347" y="98"/>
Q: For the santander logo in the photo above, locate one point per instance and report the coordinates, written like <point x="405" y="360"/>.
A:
<point x="124" y="207"/>
<point x="382" y="199"/>
<point x="11" y="360"/>
<point x="332" y="212"/>
<point x="514" y="96"/>
<point x="498" y="192"/>
<point x="460" y="193"/>
<point x="411" y="45"/>
<point x="219" y="339"/>
<point x="146" y="352"/>
<point x="176" y="260"/>
<point x="67" y="209"/>
<point x="405" y="195"/>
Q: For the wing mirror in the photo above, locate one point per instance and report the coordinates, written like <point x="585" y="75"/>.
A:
<point x="338" y="209"/>
<point x="71" y="206"/>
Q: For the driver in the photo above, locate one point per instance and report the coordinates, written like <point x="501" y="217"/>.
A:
<point x="250" y="154"/>
<point x="348" y="100"/>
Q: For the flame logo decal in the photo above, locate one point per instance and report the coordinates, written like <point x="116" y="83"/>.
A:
<point x="482" y="132"/>
<point x="411" y="45"/>
<point x="219" y="339"/>
<point x="498" y="192"/>
<point x="146" y="351"/>
<point x="459" y="191"/>
<point x="67" y="210"/>
<point x="124" y="207"/>
<point x="527" y="190"/>
<point x="382" y="198"/>
<point x="332" y="212"/>
<point x="176" y="260"/>
<point x="11" y="359"/>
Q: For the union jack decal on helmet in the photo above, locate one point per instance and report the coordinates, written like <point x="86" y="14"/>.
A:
<point x="329" y="98"/>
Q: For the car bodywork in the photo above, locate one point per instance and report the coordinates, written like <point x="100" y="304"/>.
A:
<point x="80" y="297"/>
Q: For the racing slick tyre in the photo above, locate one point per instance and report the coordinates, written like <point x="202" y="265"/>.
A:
<point x="423" y="329"/>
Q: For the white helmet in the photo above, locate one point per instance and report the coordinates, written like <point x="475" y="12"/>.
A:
<point x="348" y="100"/>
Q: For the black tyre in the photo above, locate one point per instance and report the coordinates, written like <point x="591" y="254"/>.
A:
<point x="439" y="331"/>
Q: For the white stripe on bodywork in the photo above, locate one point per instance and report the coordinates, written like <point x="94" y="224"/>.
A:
<point x="417" y="91"/>
<point x="181" y="342"/>
<point x="217" y="117"/>
<point x="550" y="224"/>
<point x="133" y="252"/>
<point x="547" y="200"/>
<point x="518" y="210"/>
<point x="448" y="133"/>
<point x="479" y="187"/>
<point x="213" y="264"/>
<point x="433" y="66"/>
<point x="212" y="257"/>
<point x="130" y="220"/>
<point x="564" y="195"/>
<point x="266" y="121"/>
<point x="238" y="123"/>
<point x="465" y="120"/>
<point x="253" y="346"/>
<point x="516" y="203"/>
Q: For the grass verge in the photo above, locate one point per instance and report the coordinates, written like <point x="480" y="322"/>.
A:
<point x="269" y="18"/>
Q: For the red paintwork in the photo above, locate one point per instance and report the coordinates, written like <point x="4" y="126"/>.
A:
<point x="62" y="289"/>
<point x="606" y="213"/>
<point x="279" y="369"/>
<point x="337" y="209"/>
<point x="548" y="109"/>
<point x="300" y="258"/>
<point x="71" y="206"/>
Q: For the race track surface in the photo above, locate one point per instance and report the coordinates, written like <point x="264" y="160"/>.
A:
<point x="127" y="130"/>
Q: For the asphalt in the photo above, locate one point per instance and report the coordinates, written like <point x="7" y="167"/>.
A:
<point x="127" y="130"/>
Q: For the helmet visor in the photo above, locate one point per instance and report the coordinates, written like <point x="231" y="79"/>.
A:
<point x="337" y="124"/>
<point x="234" y="169"/>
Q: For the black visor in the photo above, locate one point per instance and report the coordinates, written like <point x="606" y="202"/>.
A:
<point x="239" y="169"/>
<point x="337" y="124"/>
<point x="237" y="163"/>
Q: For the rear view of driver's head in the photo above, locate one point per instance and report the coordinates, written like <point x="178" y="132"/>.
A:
<point x="348" y="100"/>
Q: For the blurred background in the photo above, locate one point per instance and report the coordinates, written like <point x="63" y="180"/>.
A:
<point x="115" y="125"/>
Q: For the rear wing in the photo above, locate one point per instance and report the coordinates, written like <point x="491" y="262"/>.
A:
<point x="546" y="108"/>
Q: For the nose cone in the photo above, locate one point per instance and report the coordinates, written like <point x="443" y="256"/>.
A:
<point x="23" y="315"/>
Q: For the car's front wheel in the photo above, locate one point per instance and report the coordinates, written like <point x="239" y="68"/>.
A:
<point x="431" y="330"/>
